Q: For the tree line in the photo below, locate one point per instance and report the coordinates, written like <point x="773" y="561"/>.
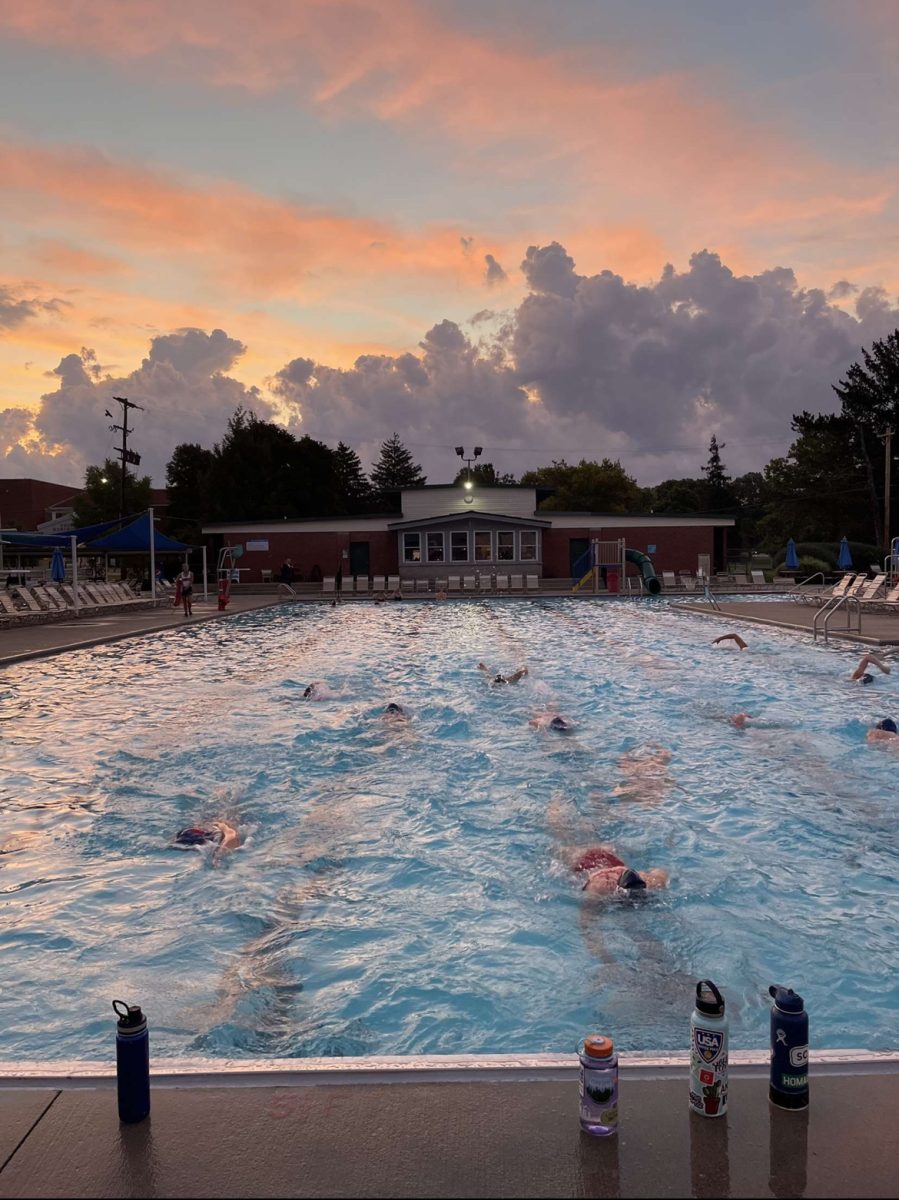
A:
<point x="828" y="485"/>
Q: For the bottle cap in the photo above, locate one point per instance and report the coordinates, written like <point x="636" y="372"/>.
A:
<point x="786" y="999"/>
<point x="708" y="999"/>
<point x="130" y="1015"/>
<point x="598" y="1047"/>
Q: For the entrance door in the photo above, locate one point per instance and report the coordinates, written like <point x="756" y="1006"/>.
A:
<point x="577" y="548"/>
<point x="359" y="559"/>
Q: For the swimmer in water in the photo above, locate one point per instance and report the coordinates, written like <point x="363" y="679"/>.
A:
<point x="602" y="872"/>
<point x="731" y="637"/>
<point x="395" y="712"/>
<point x="500" y="679"/>
<point x="884" y="731"/>
<point x="219" y="834"/>
<point x="861" y="673"/>
<point x="552" y="721"/>
<point x="646" y="773"/>
<point x="740" y="720"/>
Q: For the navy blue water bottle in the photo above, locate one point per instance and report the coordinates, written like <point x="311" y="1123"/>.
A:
<point x="789" y="1049"/>
<point x="132" y="1060"/>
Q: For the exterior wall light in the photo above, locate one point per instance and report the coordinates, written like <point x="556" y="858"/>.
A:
<point x="468" y="499"/>
<point x="468" y="485"/>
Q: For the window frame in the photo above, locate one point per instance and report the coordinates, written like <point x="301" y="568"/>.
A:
<point x="510" y="534"/>
<point x="456" y="533"/>
<point x="483" y="533"/>
<point x="535" y="534"/>
<point x="435" y="533"/>
<point x="406" y="548"/>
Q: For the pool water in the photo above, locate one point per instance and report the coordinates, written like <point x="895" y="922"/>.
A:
<point x="399" y="890"/>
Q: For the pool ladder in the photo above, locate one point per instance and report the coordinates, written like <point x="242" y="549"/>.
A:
<point x="707" y="593"/>
<point x="833" y="605"/>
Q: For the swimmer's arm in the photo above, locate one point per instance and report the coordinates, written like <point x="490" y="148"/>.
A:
<point x="519" y="674"/>
<point x="730" y="637"/>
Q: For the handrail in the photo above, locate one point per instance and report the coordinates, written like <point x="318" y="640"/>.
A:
<point x="711" y="599"/>
<point x="803" y="582"/>
<point x="827" y="611"/>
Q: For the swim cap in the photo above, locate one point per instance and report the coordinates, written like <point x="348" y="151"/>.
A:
<point x="630" y="881"/>
<point x="309" y="690"/>
<point x="500" y="679"/>
<point x="888" y="724"/>
<point x="559" y="723"/>
<point x="866" y="678"/>
<point x="394" y="708"/>
<point x="193" y="837"/>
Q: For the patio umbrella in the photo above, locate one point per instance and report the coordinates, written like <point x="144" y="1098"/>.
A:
<point x="844" y="562"/>
<point x="57" y="567"/>
<point x="791" y="562"/>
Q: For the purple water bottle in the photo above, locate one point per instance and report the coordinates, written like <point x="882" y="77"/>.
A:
<point x="789" y="1049"/>
<point x="132" y="1059"/>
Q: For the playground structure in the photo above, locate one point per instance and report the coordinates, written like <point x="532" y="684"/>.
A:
<point x="608" y="561"/>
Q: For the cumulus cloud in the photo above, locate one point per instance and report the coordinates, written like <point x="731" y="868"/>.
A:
<point x="15" y="309"/>
<point x="494" y="273"/>
<point x="182" y="384"/>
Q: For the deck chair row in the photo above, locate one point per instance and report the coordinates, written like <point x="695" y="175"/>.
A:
<point x="20" y="602"/>
<point x="453" y="583"/>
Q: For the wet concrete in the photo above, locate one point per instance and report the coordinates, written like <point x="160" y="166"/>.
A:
<point x="460" y="1139"/>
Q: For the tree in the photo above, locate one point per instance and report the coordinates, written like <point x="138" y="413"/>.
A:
<point x="187" y="476"/>
<point x="101" y="498"/>
<point x="484" y="475"/>
<point x="718" y="491"/>
<point x="588" y="487"/>
<point x="395" y="468"/>
<point x="870" y="399"/>
<point x="353" y="485"/>
<point x="678" y="496"/>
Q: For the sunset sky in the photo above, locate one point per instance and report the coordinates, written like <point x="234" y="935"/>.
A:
<point x="554" y="228"/>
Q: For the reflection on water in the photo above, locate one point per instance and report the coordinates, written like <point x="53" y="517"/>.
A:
<point x="397" y="890"/>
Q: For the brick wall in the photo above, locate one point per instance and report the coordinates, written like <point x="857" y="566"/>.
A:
<point x="307" y="550"/>
<point x="24" y="502"/>
<point x="677" y="548"/>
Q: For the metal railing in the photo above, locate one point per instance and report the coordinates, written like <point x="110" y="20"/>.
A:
<point x="707" y="593"/>
<point x="834" y="605"/>
<point x="794" y="591"/>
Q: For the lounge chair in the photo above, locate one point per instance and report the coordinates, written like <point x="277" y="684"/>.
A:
<point x="454" y="583"/>
<point x="328" y="584"/>
<point x="516" y="583"/>
<point x="363" y="584"/>
<point x="669" y="580"/>
<point x="859" y="582"/>
<point x="393" y="583"/>
<point x="533" y="582"/>
<point x="688" y="581"/>
<point x="51" y="600"/>
<point x="30" y="601"/>
<point x="758" y="579"/>
<point x="422" y="585"/>
<point x="9" y="606"/>
<point x="468" y="584"/>
<point x="407" y="585"/>
<point x="485" y="581"/>
<point x="869" y="590"/>
<point x="502" y="583"/>
<point x="888" y="603"/>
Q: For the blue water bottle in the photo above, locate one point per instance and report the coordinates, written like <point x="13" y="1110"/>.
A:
<point x="132" y="1060"/>
<point x="789" y="1049"/>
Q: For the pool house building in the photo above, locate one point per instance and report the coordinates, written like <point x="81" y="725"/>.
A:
<point x="442" y="531"/>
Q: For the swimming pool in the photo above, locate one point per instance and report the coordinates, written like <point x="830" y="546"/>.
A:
<point x="398" y="890"/>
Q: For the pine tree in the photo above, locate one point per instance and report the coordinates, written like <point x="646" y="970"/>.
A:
<point x="355" y="489"/>
<point x="395" y="468"/>
<point x="717" y="481"/>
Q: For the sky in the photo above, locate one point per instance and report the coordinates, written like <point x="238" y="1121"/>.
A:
<point x="550" y="228"/>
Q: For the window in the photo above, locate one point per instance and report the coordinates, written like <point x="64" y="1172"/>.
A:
<point x="528" y="544"/>
<point x="435" y="547"/>
<point x="505" y="546"/>
<point x="412" y="547"/>
<point x="459" y="546"/>
<point x="483" y="548"/>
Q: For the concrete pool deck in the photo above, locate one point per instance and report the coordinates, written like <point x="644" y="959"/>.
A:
<point x="878" y="628"/>
<point x="477" y="1131"/>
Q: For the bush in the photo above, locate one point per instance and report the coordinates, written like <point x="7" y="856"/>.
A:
<point x="807" y="566"/>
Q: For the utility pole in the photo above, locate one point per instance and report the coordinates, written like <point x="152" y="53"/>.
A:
<point x="888" y="462"/>
<point x="127" y="456"/>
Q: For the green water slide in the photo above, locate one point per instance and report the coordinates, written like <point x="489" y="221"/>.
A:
<point x="644" y="562"/>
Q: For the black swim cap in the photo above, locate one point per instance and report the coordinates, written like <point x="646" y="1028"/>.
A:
<point x="631" y="881"/>
<point x="309" y="690"/>
<point x="559" y="723"/>
<point x="866" y="678"/>
<point x="500" y="679"/>
<point x="192" y="837"/>
<point x="888" y="724"/>
<point x="394" y="708"/>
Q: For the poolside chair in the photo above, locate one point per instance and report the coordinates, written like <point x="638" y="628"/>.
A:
<point x="758" y="579"/>
<point x="869" y="590"/>
<point x="856" y="586"/>
<point x="502" y="583"/>
<point x="440" y="585"/>
<point x="516" y="583"/>
<point x="533" y="582"/>
<point x="888" y="603"/>
<point x="688" y="581"/>
<point x="9" y="606"/>
<point x="363" y="584"/>
<point x="485" y="581"/>
<point x="328" y="584"/>
<point x="669" y="580"/>
<point x="51" y="600"/>
<point x="468" y="583"/>
<point x="393" y="583"/>
<point x="30" y="602"/>
<point x="422" y="585"/>
<point x="454" y="583"/>
<point x="407" y="585"/>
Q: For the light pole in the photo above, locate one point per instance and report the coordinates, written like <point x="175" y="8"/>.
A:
<point x="888" y="460"/>
<point x="478" y="451"/>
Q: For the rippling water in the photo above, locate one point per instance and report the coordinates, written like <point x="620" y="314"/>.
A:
<point x="397" y="891"/>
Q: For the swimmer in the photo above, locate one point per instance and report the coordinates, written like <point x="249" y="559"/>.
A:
<point x="884" y="731"/>
<point x="317" y="690"/>
<point x="554" y="722"/>
<point x="603" y="872"/>
<point x="731" y="637"/>
<point x="861" y="673"/>
<point x="498" y="679"/>
<point x="740" y="720"/>
<point x="220" y="834"/>
<point x="646" y="773"/>
<point x="441" y="596"/>
<point x="395" y="712"/>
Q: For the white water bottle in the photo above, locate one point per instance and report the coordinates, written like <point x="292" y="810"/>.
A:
<point x="708" y="1052"/>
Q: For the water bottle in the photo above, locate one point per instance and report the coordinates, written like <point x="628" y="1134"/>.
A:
<point x="132" y="1058"/>
<point x="708" y="1052"/>
<point x="599" y="1086"/>
<point x="789" y="1049"/>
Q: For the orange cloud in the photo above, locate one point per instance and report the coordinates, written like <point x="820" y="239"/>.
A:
<point x="65" y="259"/>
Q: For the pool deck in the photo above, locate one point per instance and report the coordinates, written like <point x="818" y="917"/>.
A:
<point x="476" y="1131"/>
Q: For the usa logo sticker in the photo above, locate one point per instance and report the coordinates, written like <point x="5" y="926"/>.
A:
<point x="707" y="1044"/>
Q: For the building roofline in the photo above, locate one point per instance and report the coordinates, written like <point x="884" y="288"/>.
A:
<point x="449" y="518"/>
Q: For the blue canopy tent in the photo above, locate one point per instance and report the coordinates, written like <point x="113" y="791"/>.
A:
<point x="791" y="562"/>
<point x="844" y="561"/>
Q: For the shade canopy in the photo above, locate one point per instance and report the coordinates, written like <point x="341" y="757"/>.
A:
<point x="135" y="539"/>
<point x="844" y="561"/>
<point x="791" y="562"/>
